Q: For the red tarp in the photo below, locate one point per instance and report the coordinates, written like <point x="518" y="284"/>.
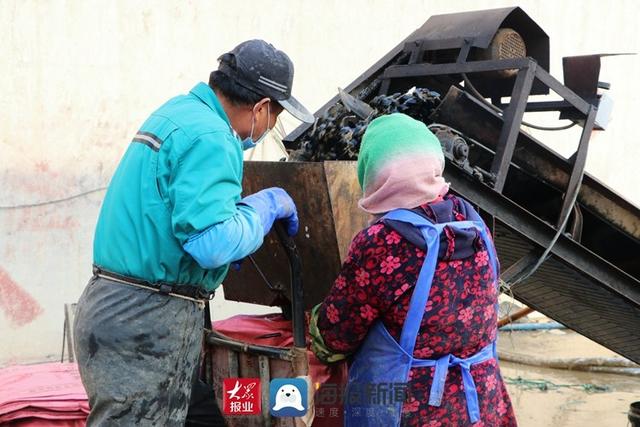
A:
<point x="273" y="330"/>
<point x="44" y="395"/>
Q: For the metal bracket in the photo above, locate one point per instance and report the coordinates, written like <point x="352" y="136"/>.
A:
<point x="512" y="121"/>
<point x="464" y="51"/>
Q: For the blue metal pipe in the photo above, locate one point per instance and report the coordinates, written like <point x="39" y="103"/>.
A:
<point x="532" y="326"/>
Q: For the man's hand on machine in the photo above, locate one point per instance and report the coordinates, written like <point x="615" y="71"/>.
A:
<point x="272" y="204"/>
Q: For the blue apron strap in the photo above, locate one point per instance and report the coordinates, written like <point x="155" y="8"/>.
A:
<point x="405" y="215"/>
<point x="440" y="374"/>
<point x="439" y="380"/>
<point x="470" y="391"/>
<point x="431" y="234"/>
<point x="421" y="292"/>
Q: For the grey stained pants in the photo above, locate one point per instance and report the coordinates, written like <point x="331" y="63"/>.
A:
<point x="137" y="351"/>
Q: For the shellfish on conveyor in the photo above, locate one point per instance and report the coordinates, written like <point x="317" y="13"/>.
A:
<point x="338" y="133"/>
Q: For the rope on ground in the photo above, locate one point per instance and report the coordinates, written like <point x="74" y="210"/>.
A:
<point x="610" y="365"/>
<point x="546" y="385"/>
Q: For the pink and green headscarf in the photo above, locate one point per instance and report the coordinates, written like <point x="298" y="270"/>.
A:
<point x="400" y="165"/>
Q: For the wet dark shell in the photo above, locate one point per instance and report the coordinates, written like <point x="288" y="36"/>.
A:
<point x="337" y="134"/>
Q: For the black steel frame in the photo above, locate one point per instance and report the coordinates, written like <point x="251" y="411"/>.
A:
<point x="527" y="72"/>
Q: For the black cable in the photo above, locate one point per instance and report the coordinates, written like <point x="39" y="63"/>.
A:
<point x="478" y="95"/>
<point x="546" y="252"/>
<point x="530" y="125"/>
<point x="564" y="221"/>
<point x="51" y="202"/>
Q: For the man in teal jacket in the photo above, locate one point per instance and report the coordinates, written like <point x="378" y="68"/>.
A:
<point x="171" y="223"/>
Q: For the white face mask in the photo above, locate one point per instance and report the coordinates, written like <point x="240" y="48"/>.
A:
<point x="248" y="142"/>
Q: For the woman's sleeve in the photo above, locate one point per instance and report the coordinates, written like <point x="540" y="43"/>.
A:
<point x="320" y="349"/>
<point x="340" y="323"/>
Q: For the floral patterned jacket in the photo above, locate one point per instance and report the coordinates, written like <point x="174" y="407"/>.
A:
<point x="376" y="283"/>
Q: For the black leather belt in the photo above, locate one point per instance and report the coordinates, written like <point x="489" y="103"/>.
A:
<point x="174" y="289"/>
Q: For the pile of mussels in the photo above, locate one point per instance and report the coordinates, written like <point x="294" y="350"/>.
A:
<point x="338" y="133"/>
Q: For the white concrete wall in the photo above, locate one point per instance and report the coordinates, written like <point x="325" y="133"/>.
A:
<point x="78" y="77"/>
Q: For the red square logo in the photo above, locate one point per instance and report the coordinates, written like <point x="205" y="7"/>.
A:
<point x="241" y="396"/>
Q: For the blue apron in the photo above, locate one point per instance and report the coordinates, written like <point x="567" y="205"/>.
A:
<point x="382" y="364"/>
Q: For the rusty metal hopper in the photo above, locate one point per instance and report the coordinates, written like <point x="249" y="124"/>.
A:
<point x="326" y="195"/>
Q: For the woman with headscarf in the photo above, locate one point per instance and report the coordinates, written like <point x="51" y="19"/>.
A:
<point x="415" y="302"/>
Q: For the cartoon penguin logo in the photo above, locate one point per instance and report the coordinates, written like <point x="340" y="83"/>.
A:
<point x="288" y="397"/>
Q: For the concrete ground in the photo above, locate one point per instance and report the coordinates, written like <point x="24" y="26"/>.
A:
<point x="571" y="404"/>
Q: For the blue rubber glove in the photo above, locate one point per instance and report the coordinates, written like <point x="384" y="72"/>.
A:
<point x="272" y="204"/>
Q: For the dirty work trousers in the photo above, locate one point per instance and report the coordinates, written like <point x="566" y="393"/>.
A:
<point x="137" y="352"/>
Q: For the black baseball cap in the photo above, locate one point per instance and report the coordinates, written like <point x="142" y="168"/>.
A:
<point x="261" y="68"/>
